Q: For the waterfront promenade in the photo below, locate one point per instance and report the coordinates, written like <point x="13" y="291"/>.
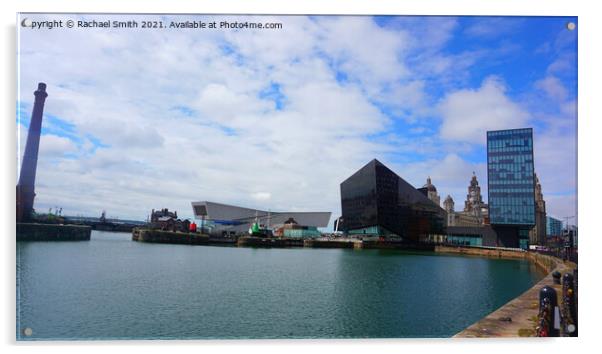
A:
<point x="518" y="317"/>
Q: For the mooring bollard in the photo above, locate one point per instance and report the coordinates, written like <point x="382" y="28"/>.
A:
<point x="547" y="320"/>
<point x="556" y="276"/>
<point x="569" y="311"/>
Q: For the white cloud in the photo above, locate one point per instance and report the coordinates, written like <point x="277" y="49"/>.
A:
<point x="220" y="104"/>
<point x="468" y="114"/>
<point x="52" y="146"/>
<point x="553" y="88"/>
<point x="340" y="110"/>
<point x="363" y="49"/>
<point x="261" y="196"/>
<point x="492" y="27"/>
<point x="561" y="65"/>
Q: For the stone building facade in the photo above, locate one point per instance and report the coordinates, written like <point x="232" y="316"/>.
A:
<point x="537" y="235"/>
<point x="473" y="205"/>
<point x="430" y="191"/>
<point x="475" y="210"/>
<point x="448" y="205"/>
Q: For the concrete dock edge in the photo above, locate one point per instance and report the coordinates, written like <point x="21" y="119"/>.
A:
<point x="518" y="317"/>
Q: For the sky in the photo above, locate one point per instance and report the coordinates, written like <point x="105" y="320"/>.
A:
<point x="139" y="119"/>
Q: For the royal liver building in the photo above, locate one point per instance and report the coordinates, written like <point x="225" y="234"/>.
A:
<point x="474" y="201"/>
<point x="475" y="211"/>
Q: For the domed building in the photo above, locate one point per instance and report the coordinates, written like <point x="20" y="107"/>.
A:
<point x="430" y="191"/>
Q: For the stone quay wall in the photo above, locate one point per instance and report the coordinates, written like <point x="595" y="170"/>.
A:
<point x="483" y="251"/>
<point x="52" y="232"/>
<point x="249" y="241"/>
<point x="159" y="236"/>
<point x="315" y="243"/>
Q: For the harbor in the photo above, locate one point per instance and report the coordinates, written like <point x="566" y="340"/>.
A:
<point x="394" y="225"/>
<point x="199" y="292"/>
<point x="282" y="180"/>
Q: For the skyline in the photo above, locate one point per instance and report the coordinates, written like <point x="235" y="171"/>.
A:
<point x="421" y="107"/>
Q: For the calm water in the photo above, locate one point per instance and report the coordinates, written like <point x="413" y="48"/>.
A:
<point x="114" y="288"/>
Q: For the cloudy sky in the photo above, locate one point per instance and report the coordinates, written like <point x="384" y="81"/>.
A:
<point x="276" y="119"/>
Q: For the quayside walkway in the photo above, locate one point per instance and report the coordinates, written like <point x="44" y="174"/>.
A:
<point x="520" y="316"/>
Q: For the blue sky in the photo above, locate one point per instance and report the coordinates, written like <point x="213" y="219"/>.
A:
<point x="277" y="119"/>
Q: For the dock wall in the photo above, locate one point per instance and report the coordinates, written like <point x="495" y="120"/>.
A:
<point x="482" y="251"/>
<point x="159" y="236"/>
<point x="313" y="243"/>
<point x="269" y="242"/>
<point x="52" y="232"/>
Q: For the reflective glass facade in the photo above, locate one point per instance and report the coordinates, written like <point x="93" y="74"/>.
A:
<point x="553" y="226"/>
<point x="376" y="201"/>
<point x="465" y="240"/>
<point x="510" y="177"/>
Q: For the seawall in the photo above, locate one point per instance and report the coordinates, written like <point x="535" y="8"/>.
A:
<point x="518" y="317"/>
<point x="249" y="241"/>
<point x="159" y="236"/>
<point x="483" y="251"/>
<point x="52" y="232"/>
<point x="316" y="243"/>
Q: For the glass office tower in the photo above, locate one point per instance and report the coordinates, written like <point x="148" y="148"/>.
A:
<point x="377" y="202"/>
<point x="511" y="185"/>
<point x="553" y="226"/>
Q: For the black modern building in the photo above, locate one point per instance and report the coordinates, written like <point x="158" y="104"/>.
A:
<point x="511" y="182"/>
<point x="377" y="202"/>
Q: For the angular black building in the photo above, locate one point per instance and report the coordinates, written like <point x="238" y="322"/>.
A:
<point x="377" y="202"/>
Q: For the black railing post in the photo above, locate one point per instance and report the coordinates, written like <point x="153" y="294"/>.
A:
<point x="547" y="313"/>
<point x="569" y="311"/>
